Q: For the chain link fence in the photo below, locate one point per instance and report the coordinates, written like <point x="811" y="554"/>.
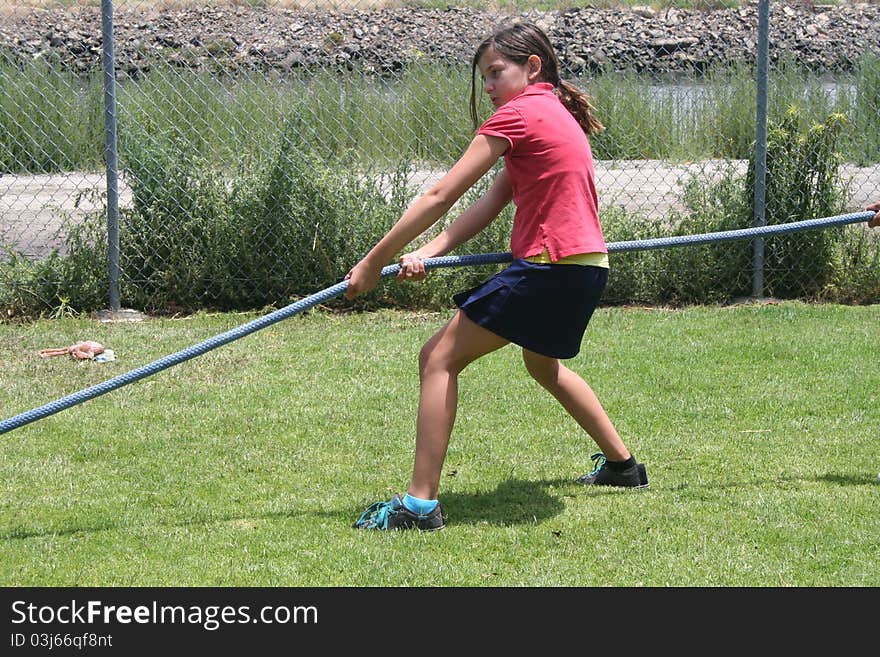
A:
<point x="262" y="148"/>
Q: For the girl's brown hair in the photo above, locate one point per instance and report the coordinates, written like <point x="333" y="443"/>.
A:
<point x="517" y="43"/>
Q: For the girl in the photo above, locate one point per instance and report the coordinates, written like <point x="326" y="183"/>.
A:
<point x="544" y="299"/>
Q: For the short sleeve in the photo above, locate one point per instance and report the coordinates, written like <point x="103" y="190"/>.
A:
<point x="506" y="123"/>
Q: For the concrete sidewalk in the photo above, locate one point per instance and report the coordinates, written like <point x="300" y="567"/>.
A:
<point x="33" y="209"/>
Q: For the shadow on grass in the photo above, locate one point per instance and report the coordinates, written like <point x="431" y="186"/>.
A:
<point x="849" y="480"/>
<point x="104" y="526"/>
<point x="513" y="502"/>
<point x="830" y="478"/>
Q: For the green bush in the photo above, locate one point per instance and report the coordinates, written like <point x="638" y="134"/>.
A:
<point x="802" y="182"/>
<point x="269" y="231"/>
<point x="61" y="283"/>
<point x="28" y="288"/>
<point x="199" y="237"/>
<point x="265" y="234"/>
<point x="708" y="273"/>
<point x="855" y="275"/>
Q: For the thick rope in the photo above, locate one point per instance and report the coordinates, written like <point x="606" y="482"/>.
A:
<point x="391" y="270"/>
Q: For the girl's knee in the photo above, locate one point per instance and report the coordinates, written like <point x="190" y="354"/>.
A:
<point x="456" y="345"/>
<point x="542" y="369"/>
<point x="433" y="356"/>
<point x="425" y="354"/>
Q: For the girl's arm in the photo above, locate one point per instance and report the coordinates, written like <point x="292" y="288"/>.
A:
<point x="470" y="222"/>
<point x="479" y="157"/>
<point x="875" y="222"/>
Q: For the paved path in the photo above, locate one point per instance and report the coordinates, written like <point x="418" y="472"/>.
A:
<point x="33" y="209"/>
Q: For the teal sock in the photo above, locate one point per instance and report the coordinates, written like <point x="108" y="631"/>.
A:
<point x="418" y="505"/>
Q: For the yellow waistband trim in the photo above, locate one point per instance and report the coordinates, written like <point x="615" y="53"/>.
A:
<point x="590" y="259"/>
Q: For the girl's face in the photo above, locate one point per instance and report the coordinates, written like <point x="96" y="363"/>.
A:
<point x="504" y="79"/>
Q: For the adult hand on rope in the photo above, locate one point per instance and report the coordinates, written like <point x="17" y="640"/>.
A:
<point x="363" y="277"/>
<point x="875" y="222"/>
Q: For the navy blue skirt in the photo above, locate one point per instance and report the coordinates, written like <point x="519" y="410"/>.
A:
<point x="542" y="308"/>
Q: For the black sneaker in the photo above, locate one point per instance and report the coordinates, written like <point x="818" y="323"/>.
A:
<point x="393" y="515"/>
<point x="633" y="477"/>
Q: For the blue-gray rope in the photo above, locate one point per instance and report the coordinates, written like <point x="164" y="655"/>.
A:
<point x="391" y="270"/>
<point x="742" y="233"/>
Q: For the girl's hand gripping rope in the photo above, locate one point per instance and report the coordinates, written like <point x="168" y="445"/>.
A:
<point x="412" y="267"/>
<point x="362" y="278"/>
<point x="365" y="276"/>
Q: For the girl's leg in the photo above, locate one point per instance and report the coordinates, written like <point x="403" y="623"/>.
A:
<point x="578" y="398"/>
<point x="448" y="352"/>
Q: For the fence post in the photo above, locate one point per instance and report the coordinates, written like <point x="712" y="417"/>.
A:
<point x="110" y="152"/>
<point x="760" y="218"/>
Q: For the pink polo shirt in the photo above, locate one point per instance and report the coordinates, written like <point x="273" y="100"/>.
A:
<point x="550" y="166"/>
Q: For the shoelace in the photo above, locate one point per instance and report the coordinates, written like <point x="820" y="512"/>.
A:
<point x="598" y="460"/>
<point x="376" y="515"/>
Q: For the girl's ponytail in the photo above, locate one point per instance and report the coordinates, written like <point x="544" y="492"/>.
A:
<point x="579" y="104"/>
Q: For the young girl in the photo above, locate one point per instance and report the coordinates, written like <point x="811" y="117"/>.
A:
<point x="544" y="299"/>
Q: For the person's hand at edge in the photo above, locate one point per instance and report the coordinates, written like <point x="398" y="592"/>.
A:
<point x="875" y="222"/>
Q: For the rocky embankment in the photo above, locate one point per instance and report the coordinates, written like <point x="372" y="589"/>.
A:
<point x="233" y="38"/>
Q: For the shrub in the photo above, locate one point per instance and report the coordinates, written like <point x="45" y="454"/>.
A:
<point x="199" y="237"/>
<point x="802" y="182"/>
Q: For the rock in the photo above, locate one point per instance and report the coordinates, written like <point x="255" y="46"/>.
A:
<point x="672" y="45"/>
<point x="824" y="38"/>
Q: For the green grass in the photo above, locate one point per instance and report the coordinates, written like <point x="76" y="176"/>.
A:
<point x="247" y="465"/>
<point x="419" y="114"/>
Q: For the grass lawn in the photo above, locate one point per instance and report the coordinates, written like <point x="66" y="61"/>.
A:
<point x="246" y="466"/>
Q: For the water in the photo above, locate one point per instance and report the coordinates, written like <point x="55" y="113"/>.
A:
<point x="686" y="98"/>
